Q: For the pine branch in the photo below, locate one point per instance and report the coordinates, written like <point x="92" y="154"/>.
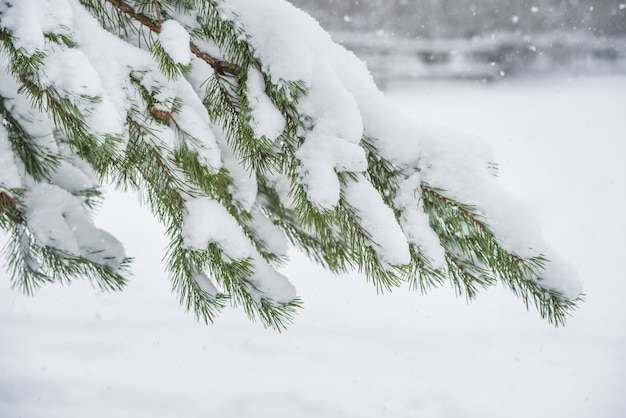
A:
<point x="159" y="156"/>
<point x="475" y="258"/>
<point x="220" y="67"/>
<point x="138" y="159"/>
<point x="68" y="117"/>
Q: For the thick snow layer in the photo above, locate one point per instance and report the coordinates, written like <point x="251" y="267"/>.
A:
<point x="269" y="43"/>
<point x="266" y="118"/>
<point x="70" y="178"/>
<point x="72" y="351"/>
<point x="58" y="220"/>
<point x="175" y="41"/>
<point x="296" y="48"/>
<point x="72" y="74"/>
<point x="207" y="222"/>
<point x="344" y="107"/>
<point x="378" y="221"/>
<point x="28" y="20"/>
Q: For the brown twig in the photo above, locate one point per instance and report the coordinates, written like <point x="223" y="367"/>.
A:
<point x="158" y="12"/>
<point x="143" y="19"/>
<point x="8" y="202"/>
<point x="221" y="67"/>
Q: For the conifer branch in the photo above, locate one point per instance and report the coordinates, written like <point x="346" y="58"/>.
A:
<point x="241" y="151"/>
<point x="220" y="66"/>
<point x="68" y="117"/>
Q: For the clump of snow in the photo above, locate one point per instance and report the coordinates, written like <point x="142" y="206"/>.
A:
<point x="23" y="22"/>
<point x="58" y="220"/>
<point x="112" y="59"/>
<point x="28" y="20"/>
<point x="560" y="276"/>
<point x="163" y="91"/>
<point x="202" y="137"/>
<point x="378" y="220"/>
<point x="70" y="178"/>
<point x="281" y="184"/>
<point x="272" y="238"/>
<point x="244" y="186"/>
<point x="415" y="222"/>
<point x="321" y="157"/>
<point x="459" y="165"/>
<point x="70" y="72"/>
<point x="269" y="284"/>
<point x="68" y="69"/>
<point x="266" y="118"/>
<point x="331" y="145"/>
<point x="269" y="42"/>
<point x="174" y="39"/>
<point x="207" y="221"/>
<point x="32" y="120"/>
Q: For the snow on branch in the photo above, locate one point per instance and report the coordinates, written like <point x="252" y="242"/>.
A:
<point x="244" y="127"/>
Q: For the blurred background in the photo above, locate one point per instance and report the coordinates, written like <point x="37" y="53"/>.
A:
<point x="477" y="39"/>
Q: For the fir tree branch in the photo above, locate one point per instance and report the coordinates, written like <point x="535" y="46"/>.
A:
<point x="221" y="67"/>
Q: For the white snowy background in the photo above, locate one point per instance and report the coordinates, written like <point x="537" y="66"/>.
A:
<point x="561" y="144"/>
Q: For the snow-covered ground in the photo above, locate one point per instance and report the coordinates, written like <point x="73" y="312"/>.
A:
<point x="561" y="144"/>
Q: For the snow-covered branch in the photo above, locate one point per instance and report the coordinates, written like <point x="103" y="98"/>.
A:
<point x="258" y="133"/>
